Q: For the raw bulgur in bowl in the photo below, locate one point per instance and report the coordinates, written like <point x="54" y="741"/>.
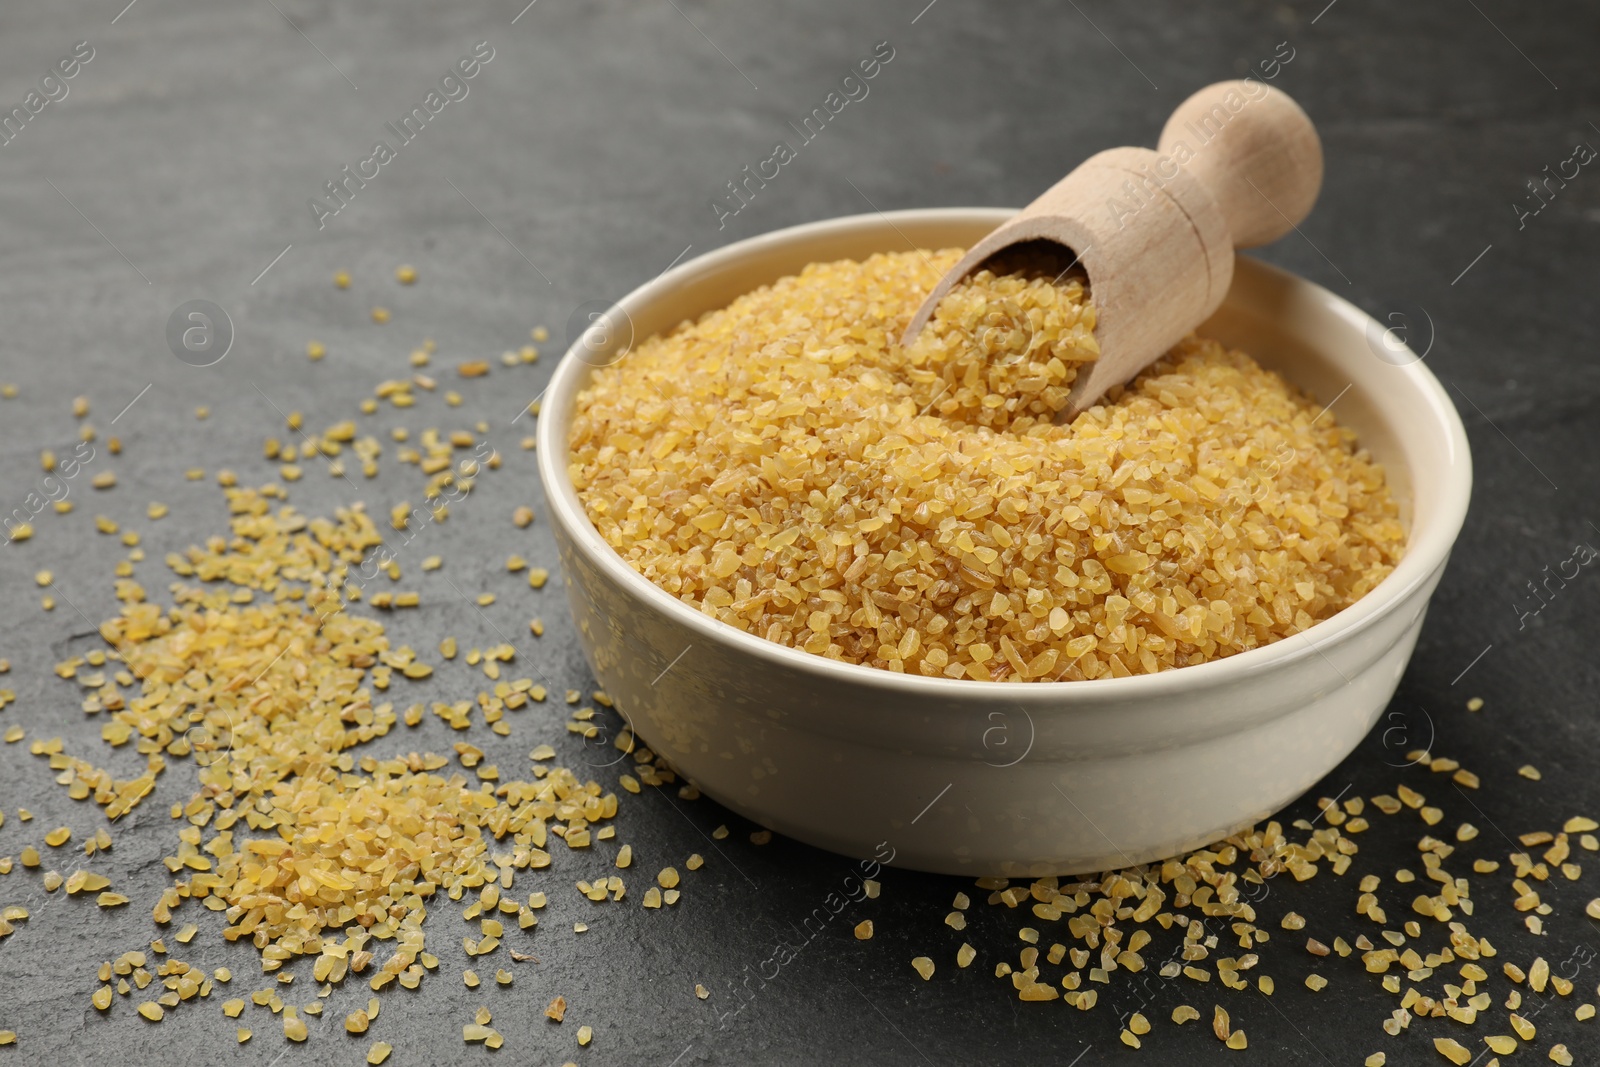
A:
<point x="786" y="467"/>
<point x="1309" y="572"/>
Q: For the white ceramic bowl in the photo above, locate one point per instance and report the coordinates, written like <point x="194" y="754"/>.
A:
<point x="991" y="778"/>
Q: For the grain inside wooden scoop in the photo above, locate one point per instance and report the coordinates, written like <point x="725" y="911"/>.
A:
<point x="785" y="466"/>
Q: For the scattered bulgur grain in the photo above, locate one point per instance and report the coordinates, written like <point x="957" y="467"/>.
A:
<point x="380" y="315"/>
<point x="1183" y="1013"/>
<point x="315" y="350"/>
<point x="923" y="966"/>
<point x="1559" y="1054"/>
<point x="557" y="1009"/>
<point x="1316" y="983"/>
<point x="864" y="930"/>
<point x="1475" y="704"/>
<point x="1529" y="771"/>
<point x="965" y="955"/>
<point x="701" y="991"/>
<point x="405" y="274"/>
<point x="379" y="1052"/>
<point x="1377" y="1059"/>
<point x="1538" y="974"/>
<point x="1452" y="1050"/>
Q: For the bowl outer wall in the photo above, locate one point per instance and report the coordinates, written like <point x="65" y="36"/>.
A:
<point x="1002" y="778"/>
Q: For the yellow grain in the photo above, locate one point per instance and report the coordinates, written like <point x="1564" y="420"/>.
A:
<point x="1205" y="511"/>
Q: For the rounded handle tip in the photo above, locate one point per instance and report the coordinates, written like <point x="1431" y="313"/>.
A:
<point x="1255" y="150"/>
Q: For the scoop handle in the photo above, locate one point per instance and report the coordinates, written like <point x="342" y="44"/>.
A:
<point x="1255" y="151"/>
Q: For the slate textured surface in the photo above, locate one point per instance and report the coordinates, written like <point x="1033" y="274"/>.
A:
<point x="581" y="163"/>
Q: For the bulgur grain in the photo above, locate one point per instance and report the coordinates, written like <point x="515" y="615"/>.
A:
<point x="786" y="467"/>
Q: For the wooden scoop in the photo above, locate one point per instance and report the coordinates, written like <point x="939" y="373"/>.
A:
<point x="1239" y="165"/>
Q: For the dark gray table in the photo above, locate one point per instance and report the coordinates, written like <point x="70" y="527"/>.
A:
<point x="583" y="161"/>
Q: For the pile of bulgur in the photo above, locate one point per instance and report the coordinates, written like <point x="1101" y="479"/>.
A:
<point x="787" y="467"/>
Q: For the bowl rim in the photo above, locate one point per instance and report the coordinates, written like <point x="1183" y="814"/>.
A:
<point x="1426" y="553"/>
